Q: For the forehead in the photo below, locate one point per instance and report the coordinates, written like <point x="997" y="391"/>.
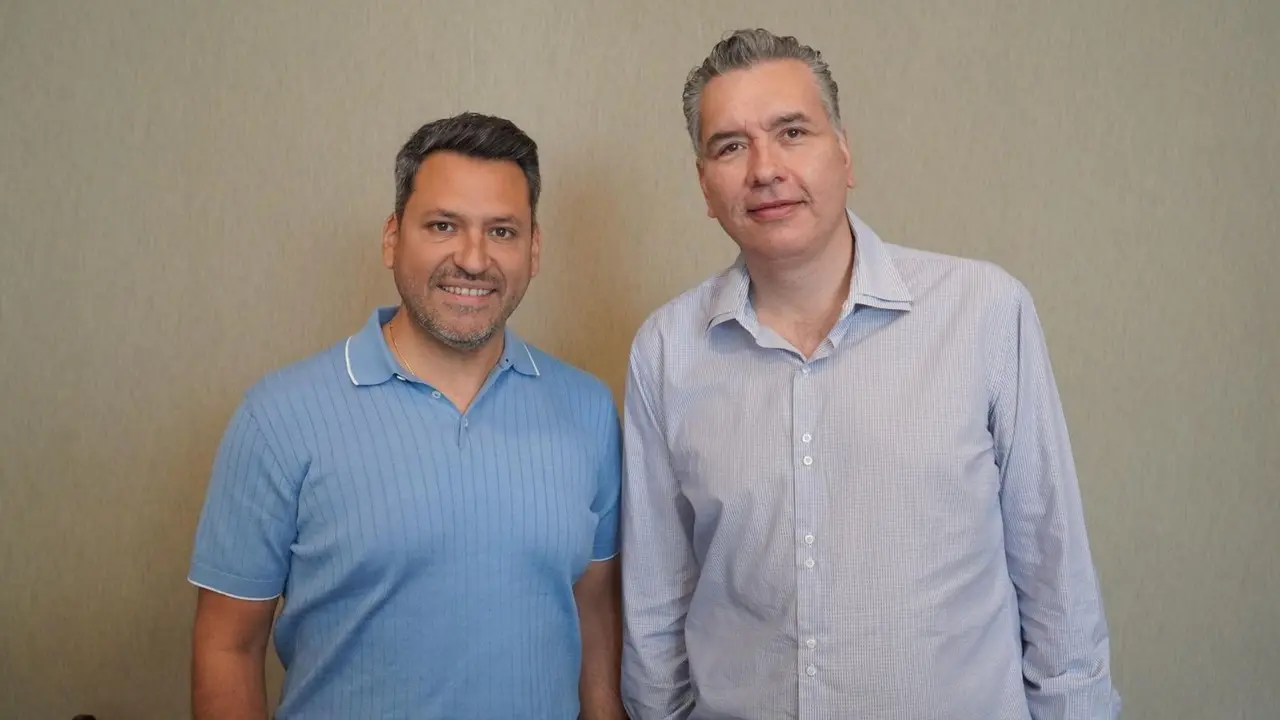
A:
<point x="466" y="185"/>
<point x="742" y="99"/>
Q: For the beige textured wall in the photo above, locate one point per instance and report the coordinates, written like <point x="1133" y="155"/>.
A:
<point x="191" y="194"/>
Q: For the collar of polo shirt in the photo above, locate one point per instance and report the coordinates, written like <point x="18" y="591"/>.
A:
<point x="369" y="360"/>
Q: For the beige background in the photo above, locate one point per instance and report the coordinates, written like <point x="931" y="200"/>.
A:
<point x="191" y="195"/>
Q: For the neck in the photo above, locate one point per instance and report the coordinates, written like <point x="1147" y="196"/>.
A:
<point x="459" y="374"/>
<point x="801" y="299"/>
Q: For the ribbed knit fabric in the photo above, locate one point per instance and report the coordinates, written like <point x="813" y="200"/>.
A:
<point x="427" y="557"/>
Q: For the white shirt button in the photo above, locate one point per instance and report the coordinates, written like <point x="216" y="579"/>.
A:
<point x="807" y="460"/>
<point x="465" y="422"/>
<point x="804" y="370"/>
<point x="806" y="437"/>
<point x="808" y="563"/>
<point x="811" y="643"/>
<point x="435" y="394"/>
<point x="811" y="671"/>
<point x="808" y="539"/>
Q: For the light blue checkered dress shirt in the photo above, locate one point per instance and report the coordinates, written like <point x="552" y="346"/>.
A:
<point x="889" y="529"/>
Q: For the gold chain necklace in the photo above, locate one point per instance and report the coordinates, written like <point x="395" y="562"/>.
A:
<point x="391" y="330"/>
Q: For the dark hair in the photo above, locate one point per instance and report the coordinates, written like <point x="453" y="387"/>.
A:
<point x="745" y="49"/>
<point x="479" y="136"/>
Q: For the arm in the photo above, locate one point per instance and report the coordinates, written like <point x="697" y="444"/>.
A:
<point x="229" y="647"/>
<point x="1066" y="646"/>
<point x="660" y="571"/>
<point x="598" y="595"/>
<point x="597" y="592"/>
<point x="240" y="562"/>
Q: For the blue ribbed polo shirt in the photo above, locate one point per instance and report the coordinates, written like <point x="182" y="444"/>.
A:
<point x="426" y="557"/>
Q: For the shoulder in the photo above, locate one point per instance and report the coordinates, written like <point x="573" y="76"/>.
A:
<point x="294" y="388"/>
<point x="979" y="296"/>
<point x="277" y="414"/>
<point x="955" y="280"/>
<point x="682" y="320"/>
<point x="569" y="379"/>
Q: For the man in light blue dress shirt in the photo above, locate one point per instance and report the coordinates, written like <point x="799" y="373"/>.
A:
<point x="848" y="488"/>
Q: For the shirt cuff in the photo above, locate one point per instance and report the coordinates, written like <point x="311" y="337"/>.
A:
<point x="232" y="586"/>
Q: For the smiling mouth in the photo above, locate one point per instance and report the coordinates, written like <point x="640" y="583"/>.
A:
<point x="466" y="291"/>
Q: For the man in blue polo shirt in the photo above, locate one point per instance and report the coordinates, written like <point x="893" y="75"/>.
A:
<point x="434" y="498"/>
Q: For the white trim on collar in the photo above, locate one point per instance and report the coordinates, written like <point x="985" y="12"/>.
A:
<point x="346" y="351"/>
<point x="536" y="371"/>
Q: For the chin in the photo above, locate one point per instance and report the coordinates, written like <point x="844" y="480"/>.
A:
<point x="470" y="328"/>
<point x="779" y="244"/>
<point x="467" y="338"/>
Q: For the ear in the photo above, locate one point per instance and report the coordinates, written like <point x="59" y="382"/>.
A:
<point x="535" y="250"/>
<point x="702" y="183"/>
<point x="390" y="238"/>
<point x="843" y="139"/>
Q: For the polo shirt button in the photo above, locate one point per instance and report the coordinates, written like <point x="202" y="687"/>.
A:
<point x="810" y="643"/>
<point x="811" y="671"/>
<point x="435" y="394"/>
<point x="809" y="563"/>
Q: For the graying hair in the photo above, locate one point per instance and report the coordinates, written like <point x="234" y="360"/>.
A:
<point x="485" y="137"/>
<point x="744" y="49"/>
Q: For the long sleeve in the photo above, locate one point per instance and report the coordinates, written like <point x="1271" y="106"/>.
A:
<point x="1066" y="645"/>
<point x="659" y="570"/>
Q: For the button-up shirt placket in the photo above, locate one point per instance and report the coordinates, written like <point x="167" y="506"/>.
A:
<point x="808" y="491"/>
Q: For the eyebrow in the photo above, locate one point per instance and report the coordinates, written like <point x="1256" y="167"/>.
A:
<point x="774" y="124"/>
<point x="457" y="217"/>
<point x="788" y="119"/>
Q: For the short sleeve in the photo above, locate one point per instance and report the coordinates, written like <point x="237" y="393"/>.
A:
<point x="249" y="519"/>
<point x="608" y="485"/>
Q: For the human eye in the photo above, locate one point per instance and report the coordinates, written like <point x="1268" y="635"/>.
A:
<point x="440" y="226"/>
<point x="794" y="133"/>
<point x="728" y="148"/>
<point x="503" y="233"/>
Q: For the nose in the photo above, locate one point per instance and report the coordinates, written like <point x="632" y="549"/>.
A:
<point x="472" y="254"/>
<point x="764" y="166"/>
